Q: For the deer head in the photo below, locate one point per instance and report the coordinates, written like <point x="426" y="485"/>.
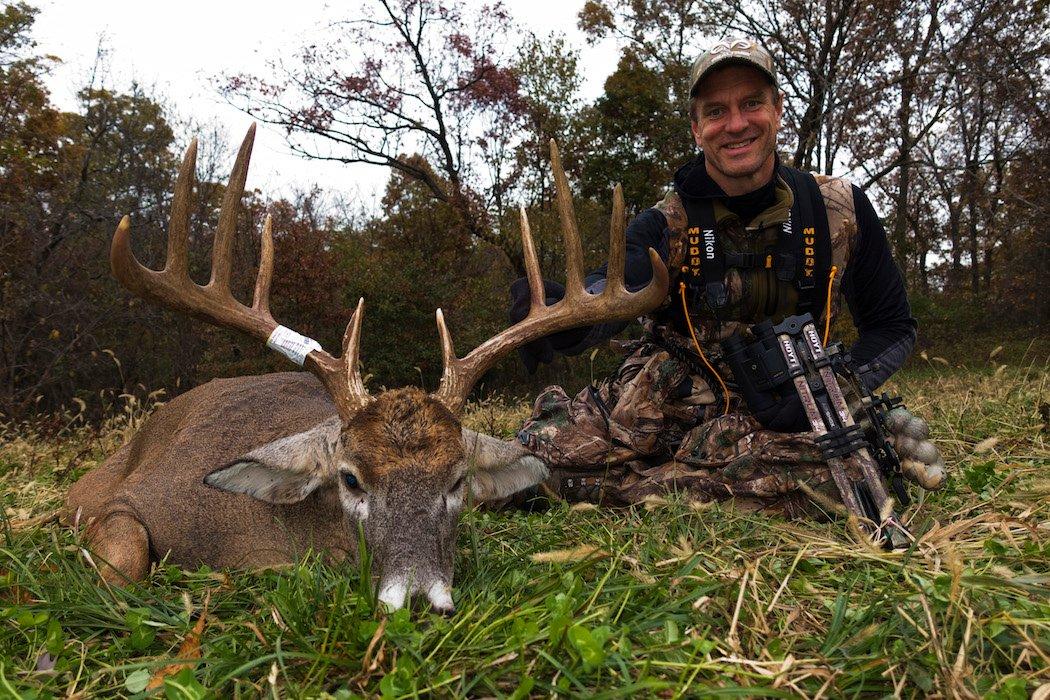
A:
<point x="402" y="463"/>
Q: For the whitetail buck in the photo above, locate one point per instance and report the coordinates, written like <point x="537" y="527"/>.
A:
<point x="254" y="471"/>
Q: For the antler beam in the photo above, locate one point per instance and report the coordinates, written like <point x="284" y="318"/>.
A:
<point x="172" y="287"/>
<point x="578" y="308"/>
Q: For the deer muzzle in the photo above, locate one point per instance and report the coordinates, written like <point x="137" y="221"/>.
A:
<point x="399" y="590"/>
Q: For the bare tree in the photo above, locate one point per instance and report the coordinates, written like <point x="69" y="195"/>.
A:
<point x="828" y="56"/>
<point x="990" y="53"/>
<point x="406" y="77"/>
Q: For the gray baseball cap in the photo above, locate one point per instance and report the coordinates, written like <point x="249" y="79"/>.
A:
<point x="725" y="52"/>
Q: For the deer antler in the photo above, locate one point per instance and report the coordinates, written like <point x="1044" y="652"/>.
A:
<point x="172" y="287"/>
<point x="578" y="308"/>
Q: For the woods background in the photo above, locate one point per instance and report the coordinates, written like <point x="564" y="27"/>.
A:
<point x="938" y="109"/>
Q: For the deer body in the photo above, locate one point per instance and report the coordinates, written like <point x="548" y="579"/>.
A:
<point x="158" y="477"/>
<point x="254" y="471"/>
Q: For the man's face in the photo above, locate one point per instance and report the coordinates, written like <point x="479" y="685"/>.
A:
<point x="738" y="117"/>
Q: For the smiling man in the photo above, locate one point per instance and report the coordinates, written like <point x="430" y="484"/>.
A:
<point x="735" y="114"/>
<point x="746" y="239"/>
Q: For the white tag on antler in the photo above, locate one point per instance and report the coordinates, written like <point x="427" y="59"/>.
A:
<point x="292" y="345"/>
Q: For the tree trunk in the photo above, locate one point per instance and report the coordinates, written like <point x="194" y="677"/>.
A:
<point x="809" y="128"/>
<point x="975" y="249"/>
<point x="955" y="235"/>
<point x="986" y="270"/>
<point x="900" y="204"/>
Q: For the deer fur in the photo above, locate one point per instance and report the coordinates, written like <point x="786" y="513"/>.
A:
<point x="249" y="472"/>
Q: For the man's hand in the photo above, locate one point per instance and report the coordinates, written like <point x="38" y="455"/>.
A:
<point x="785" y="415"/>
<point x="541" y="350"/>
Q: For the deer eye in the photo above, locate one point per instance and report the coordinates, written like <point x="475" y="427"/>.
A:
<point x="456" y="486"/>
<point x="351" y="481"/>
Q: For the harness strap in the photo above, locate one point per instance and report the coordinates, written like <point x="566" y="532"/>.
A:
<point x="807" y="236"/>
<point x="705" y="262"/>
<point x="802" y="253"/>
<point x="765" y="260"/>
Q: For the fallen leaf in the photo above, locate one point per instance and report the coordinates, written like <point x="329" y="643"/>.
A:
<point x="18" y="524"/>
<point x="994" y="353"/>
<point x="502" y="660"/>
<point x="561" y="556"/>
<point x="999" y="371"/>
<point x="942" y="361"/>
<point x="1042" y="692"/>
<point x="136" y="682"/>
<point x="278" y="620"/>
<point x="985" y="445"/>
<point x="924" y="356"/>
<point x="15" y="594"/>
<point x="189" y="649"/>
<point x="45" y="663"/>
<point x="367" y="663"/>
<point x="582" y="506"/>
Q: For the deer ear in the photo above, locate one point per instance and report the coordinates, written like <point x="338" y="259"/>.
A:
<point x="500" y="468"/>
<point x="286" y="470"/>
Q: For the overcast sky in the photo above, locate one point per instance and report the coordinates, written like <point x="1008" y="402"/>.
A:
<point x="176" y="48"/>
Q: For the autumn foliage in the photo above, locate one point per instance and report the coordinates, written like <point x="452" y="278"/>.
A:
<point x="936" y="108"/>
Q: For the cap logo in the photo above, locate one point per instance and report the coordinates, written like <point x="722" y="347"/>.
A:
<point x="735" y="45"/>
<point x="741" y="49"/>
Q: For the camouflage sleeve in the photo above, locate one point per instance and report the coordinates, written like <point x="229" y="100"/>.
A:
<point x="676" y="221"/>
<point x="674" y="213"/>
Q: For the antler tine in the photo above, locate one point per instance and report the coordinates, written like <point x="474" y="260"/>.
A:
<point x="222" y="248"/>
<point x="570" y="233"/>
<point x="342" y="377"/>
<point x="179" y="222"/>
<point x="122" y="261"/>
<point x="617" y="243"/>
<point x="532" y="264"/>
<point x="583" y="309"/>
<point x="172" y="287"/>
<point x="261" y="298"/>
<point x="448" y="352"/>
<point x="454" y="385"/>
<point x="356" y="392"/>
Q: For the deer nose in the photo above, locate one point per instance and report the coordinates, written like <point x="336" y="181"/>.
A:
<point x="394" y="594"/>
<point x="440" y="596"/>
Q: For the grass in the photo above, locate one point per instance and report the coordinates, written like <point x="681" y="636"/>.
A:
<point x="670" y="599"/>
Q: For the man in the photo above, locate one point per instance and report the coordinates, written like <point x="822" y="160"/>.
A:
<point x="785" y="242"/>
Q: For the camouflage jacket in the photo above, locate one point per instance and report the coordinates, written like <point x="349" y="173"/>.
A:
<point x="874" y="290"/>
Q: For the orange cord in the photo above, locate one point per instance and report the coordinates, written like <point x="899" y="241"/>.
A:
<point x="689" y="322"/>
<point x="827" y="307"/>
